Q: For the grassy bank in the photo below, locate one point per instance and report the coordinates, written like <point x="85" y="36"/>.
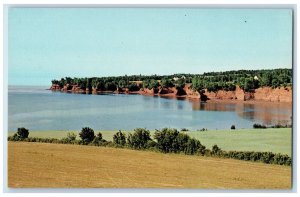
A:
<point x="274" y="140"/>
<point x="58" y="165"/>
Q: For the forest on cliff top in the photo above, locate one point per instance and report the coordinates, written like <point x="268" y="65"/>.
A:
<point x="211" y="81"/>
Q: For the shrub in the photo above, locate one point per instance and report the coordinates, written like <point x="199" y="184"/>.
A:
<point x="71" y="136"/>
<point x="259" y="126"/>
<point x="255" y="156"/>
<point x="15" y="137"/>
<point x="99" y="135"/>
<point x="108" y="144"/>
<point x="215" y="150"/>
<point x="87" y="135"/>
<point x="184" y="129"/>
<point x="166" y="140"/>
<point x="267" y="157"/>
<point x="170" y="140"/>
<point x="207" y="153"/>
<point x="232" y="127"/>
<point x="201" y="149"/>
<point x="98" y="140"/>
<point x="192" y="146"/>
<point x="281" y="126"/>
<point x="22" y="133"/>
<point x="281" y="159"/>
<point x="288" y="161"/>
<point x="139" y="139"/>
<point x="65" y="140"/>
<point x="119" y="138"/>
<point x="151" y="144"/>
<point x="179" y="143"/>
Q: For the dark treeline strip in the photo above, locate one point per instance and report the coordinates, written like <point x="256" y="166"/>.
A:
<point x="261" y="126"/>
<point x="165" y="141"/>
<point x="213" y="81"/>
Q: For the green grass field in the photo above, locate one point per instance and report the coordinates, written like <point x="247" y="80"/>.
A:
<point x="274" y="140"/>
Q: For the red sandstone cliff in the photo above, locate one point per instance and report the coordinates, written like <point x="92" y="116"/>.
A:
<point x="261" y="94"/>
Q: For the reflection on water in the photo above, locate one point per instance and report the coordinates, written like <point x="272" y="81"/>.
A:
<point x="266" y="113"/>
<point x="40" y="109"/>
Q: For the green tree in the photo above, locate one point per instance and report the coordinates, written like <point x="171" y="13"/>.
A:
<point x="197" y="84"/>
<point x="87" y="135"/>
<point x="122" y="84"/>
<point x="111" y="86"/>
<point x="248" y="84"/>
<point x="166" y="83"/>
<point x="139" y="138"/>
<point x="153" y="84"/>
<point x="22" y="133"/>
<point x="119" y="138"/>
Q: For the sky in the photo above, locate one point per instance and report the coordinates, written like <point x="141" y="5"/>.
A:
<point x="51" y="43"/>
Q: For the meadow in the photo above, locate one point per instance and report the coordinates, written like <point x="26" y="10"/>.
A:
<point x="41" y="165"/>
<point x="277" y="140"/>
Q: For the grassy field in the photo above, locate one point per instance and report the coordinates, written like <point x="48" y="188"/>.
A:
<point x="274" y="140"/>
<point x="32" y="165"/>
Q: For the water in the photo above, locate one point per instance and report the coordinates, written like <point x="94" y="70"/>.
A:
<point x="36" y="108"/>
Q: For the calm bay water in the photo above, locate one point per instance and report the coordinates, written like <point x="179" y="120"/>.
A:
<point x="39" y="109"/>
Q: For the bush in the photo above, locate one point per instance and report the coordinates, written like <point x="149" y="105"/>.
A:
<point x="22" y="133"/>
<point x="107" y="144"/>
<point x="170" y="140"/>
<point x="15" y="137"/>
<point x="98" y="140"/>
<point x="215" y="150"/>
<point x="151" y="144"/>
<point x="71" y="136"/>
<point x="281" y="159"/>
<point x="281" y="126"/>
<point x="166" y="140"/>
<point x="119" y="138"/>
<point x="259" y="126"/>
<point x="267" y="157"/>
<point x="65" y="140"/>
<point x="139" y="139"/>
<point x="184" y="129"/>
<point x="87" y="135"/>
<point x="99" y="136"/>
<point x="192" y="146"/>
<point x="232" y="127"/>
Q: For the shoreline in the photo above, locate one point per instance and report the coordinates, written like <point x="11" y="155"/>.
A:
<point x="172" y="96"/>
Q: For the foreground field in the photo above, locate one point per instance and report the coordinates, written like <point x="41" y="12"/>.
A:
<point x="67" y="166"/>
<point x="273" y="140"/>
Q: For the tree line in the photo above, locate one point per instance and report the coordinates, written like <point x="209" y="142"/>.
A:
<point x="212" y="81"/>
<point x="166" y="140"/>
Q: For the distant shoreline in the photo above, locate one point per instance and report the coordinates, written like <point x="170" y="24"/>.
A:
<point x="194" y="95"/>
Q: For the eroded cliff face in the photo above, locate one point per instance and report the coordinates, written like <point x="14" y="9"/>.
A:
<point x="190" y="93"/>
<point x="261" y="94"/>
<point x="278" y="94"/>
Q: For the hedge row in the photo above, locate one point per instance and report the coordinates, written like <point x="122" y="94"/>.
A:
<point x="264" y="157"/>
<point x="260" y="126"/>
<point x="165" y="141"/>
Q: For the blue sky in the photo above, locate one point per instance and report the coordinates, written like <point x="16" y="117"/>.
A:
<point x="50" y="43"/>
